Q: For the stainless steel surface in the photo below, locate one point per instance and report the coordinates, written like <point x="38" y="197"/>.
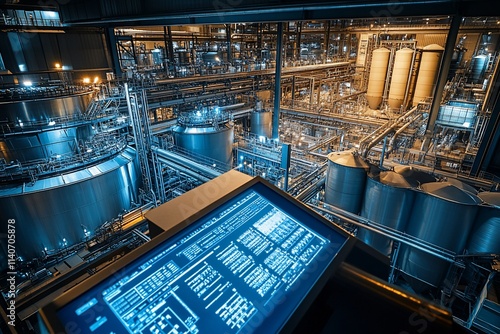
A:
<point x="45" y="145"/>
<point x="485" y="235"/>
<point x="345" y="180"/>
<point x="207" y="133"/>
<point x="55" y="212"/>
<point x="261" y="123"/>
<point x="42" y="111"/>
<point x="442" y="215"/>
<point x="376" y="81"/>
<point x="388" y="201"/>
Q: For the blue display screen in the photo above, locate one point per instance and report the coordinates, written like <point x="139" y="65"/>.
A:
<point x="243" y="268"/>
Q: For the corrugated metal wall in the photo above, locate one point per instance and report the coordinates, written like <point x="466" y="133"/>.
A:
<point x="426" y="39"/>
<point x="33" y="52"/>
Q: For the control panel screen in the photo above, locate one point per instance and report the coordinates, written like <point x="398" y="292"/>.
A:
<point x="243" y="268"/>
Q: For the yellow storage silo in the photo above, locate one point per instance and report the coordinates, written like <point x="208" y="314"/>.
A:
<point x="399" y="81"/>
<point x="376" y="81"/>
<point x="429" y="65"/>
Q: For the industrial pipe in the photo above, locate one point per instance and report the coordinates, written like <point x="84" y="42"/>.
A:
<point x="175" y="158"/>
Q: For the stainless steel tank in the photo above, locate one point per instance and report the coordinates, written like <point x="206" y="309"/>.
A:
<point x="345" y="180"/>
<point x="442" y="215"/>
<point x="261" y="123"/>
<point x="207" y="133"/>
<point x="400" y="77"/>
<point x="388" y="201"/>
<point x="485" y="235"/>
<point x="427" y="72"/>
<point x="62" y="210"/>
<point x="376" y="80"/>
<point x="34" y="110"/>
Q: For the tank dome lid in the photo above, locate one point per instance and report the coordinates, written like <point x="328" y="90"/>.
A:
<point x="348" y="159"/>
<point x="384" y="50"/>
<point x="405" y="50"/>
<point x="410" y="172"/>
<point x="394" y="179"/>
<point x="433" y="47"/>
<point x="491" y="198"/>
<point x="462" y="185"/>
<point x="448" y="191"/>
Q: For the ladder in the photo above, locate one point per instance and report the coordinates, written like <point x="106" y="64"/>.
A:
<point x="138" y="111"/>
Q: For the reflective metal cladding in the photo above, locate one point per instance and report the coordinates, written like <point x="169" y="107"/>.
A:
<point x="485" y="235"/>
<point x="388" y="201"/>
<point x="443" y="216"/>
<point x="345" y="180"/>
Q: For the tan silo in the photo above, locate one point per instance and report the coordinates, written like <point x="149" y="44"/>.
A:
<point x="400" y="74"/>
<point x="429" y="66"/>
<point x="376" y="80"/>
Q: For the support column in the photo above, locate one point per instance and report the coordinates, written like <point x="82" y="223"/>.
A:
<point x="443" y="75"/>
<point x="228" y="41"/>
<point x="111" y="38"/>
<point x="170" y="46"/>
<point x="167" y="50"/>
<point x="327" y="40"/>
<point x="277" y="81"/>
<point x="298" y="39"/>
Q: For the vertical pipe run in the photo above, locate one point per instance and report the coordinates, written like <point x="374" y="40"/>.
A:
<point x="228" y="41"/>
<point x="170" y="46"/>
<point x="327" y="40"/>
<point x="111" y="38"/>
<point x="277" y="81"/>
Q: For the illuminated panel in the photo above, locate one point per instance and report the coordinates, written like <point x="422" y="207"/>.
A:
<point x="244" y="267"/>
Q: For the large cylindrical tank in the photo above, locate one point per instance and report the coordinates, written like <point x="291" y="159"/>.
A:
<point x="261" y="123"/>
<point x="345" y="180"/>
<point x="376" y="80"/>
<point x="400" y="77"/>
<point x="58" y="211"/>
<point x="388" y="201"/>
<point x="61" y="174"/>
<point x="478" y="66"/>
<point x="207" y="133"/>
<point x="427" y="72"/>
<point x="485" y="235"/>
<point x="442" y="215"/>
<point x="37" y="112"/>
